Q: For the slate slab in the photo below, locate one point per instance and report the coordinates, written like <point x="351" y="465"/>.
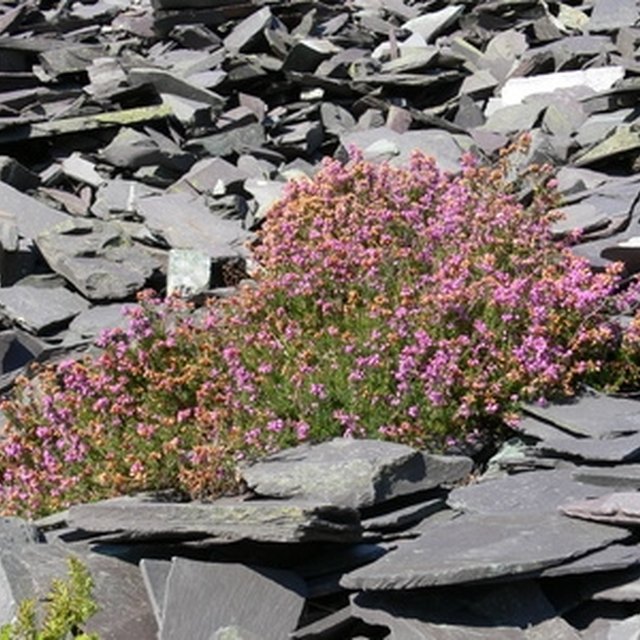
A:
<point x="97" y="258"/>
<point x="140" y="518"/>
<point x="612" y="450"/>
<point x="203" y="598"/>
<point x="620" y="508"/>
<point x="624" y="476"/>
<point x="185" y="222"/>
<point x="189" y="272"/>
<point x="155" y="574"/>
<point x="40" y="310"/>
<point x="591" y="415"/>
<point x="349" y="472"/>
<point x="532" y="491"/>
<point x="477" y="547"/>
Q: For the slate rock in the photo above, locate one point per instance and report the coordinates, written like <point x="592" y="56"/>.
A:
<point x="91" y="323"/>
<point x="620" y="508"/>
<point x="429" y="25"/>
<point x="202" y="599"/>
<point x="117" y="198"/>
<point x="477" y="547"/>
<point x="624" y="476"/>
<point x="534" y="491"/>
<point x="97" y="258"/>
<point x="140" y="518"/>
<point x="596" y="563"/>
<point x="612" y="450"/>
<point x="185" y="222"/>
<point x="592" y="415"/>
<point x="155" y="574"/>
<point x="40" y="310"/>
<point x="17" y="532"/>
<point x="609" y="15"/>
<point x="347" y="472"/>
<point x="17" y="350"/>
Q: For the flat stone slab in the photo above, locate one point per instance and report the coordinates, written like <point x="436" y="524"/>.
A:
<point x="621" y="508"/>
<point x="351" y="473"/>
<point x="593" y="415"/>
<point x="621" y="449"/>
<point x="141" y="518"/>
<point x="625" y="476"/>
<point x="203" y="598"/>
<point x="531" y="491"/>
<point x="611" y="558"/>
<point x="477" y="547"/>
<point x="38" y="309"/>
<point x="185" y="222"/>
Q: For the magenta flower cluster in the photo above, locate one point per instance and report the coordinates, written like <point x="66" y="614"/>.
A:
<point x="397" y="303"/>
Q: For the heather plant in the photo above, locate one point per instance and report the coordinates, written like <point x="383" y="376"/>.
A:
<point x="398" y="303"/>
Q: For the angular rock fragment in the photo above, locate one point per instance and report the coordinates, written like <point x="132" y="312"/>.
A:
<point x="351" y="473"/>
<point x="40" y="310"/>
<point x="189" y="272"/>
<point x="621" y="508"/>
<point x="97" y="258"/>
<point x="140" y="518"/>
<point x="477" y="547"/>
<point x="202" y="599"/>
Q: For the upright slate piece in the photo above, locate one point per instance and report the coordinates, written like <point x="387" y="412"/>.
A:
<point x="202" y="598"/>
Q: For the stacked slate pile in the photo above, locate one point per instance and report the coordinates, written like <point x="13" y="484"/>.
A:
<point x="366" y="539"/>
<point x="141" y="144"/>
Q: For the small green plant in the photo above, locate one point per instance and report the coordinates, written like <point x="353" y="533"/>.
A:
<point x="69" y="604"/>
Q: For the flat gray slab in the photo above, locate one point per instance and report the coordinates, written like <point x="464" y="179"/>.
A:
<point x="97" y="258"/>
<point x="40" y="309"/>
<point x="185" y="222"/>
<point x="139" y="518"/>
<point x="620" y="449"/>
<point x="622" y="508"/>
<point x="625" y="476"/>
<point x="31" y="217"/>
<point x="536" y="491"/>
<point x="594" y="415"/>
<point x="611" y="558"/>
<point x="473" y="548"/>
<point x="203" y="598"/>
<point x="155" y="574"/>
<point x="16" y="532"/>
<point x="352" y="473"/>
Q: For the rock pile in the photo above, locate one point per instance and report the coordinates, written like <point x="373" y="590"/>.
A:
<point x="141" y="144"/>
<point x="366" y="539"/>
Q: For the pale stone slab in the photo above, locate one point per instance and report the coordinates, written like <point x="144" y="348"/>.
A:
<point x="203" y="598"/>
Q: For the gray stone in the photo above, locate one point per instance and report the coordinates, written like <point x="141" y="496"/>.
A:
<point x="512" y="118"/>
<point x="236" y="140"/>
<point x="335" y="119"/>
<point x="133" y="149"/>
<point x="117" y="198"/>
<point x="625" y="476"/>
<point x="477" y="547"/>
<point x="619" y="589"/>
<point x="620" y="449"/>
<point x="404" y="517"/>
<point x="40" y="310"/>
<point x="31" y="217"/>
<point x="441" y="145"/>
<point x="592" y="415"/>
<point x="612" y="558"/>
<point x="602" y="629"/>
<point x="624" y="138"/>
<point x="609" y="15"/>
<point x="210" y="175"/>
<point x="17" y="175"/>
<point x="140" y="518"/>
<point x="82" y="170"/>
<point x="534" y="491"/>
<point x="17" y="350"/>
<point x="17" y="532"/>
<point x="247" y="30"/>
<point x="334" y="625"/>
<point x="97" y="258"/>
<point x="189" y="272"/>
<point x="155" y="574"/>
<point x="90" y="323"/>
<point x="185" y="222"/>
<point x="348" y="472"/>
<point x="429" y="25"/>
<point x="265" y="193"/>
<point x="600" y="125"/>
<point x="620" y="508"/>
<point x="203" y="598"/>
<point x="308" y="53"/>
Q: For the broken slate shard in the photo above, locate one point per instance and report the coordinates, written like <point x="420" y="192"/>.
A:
<point x="349" y="472"/>
<point x="622" y="508"/>
<point x="189" y="272"/>
<point x="203" y="598"/>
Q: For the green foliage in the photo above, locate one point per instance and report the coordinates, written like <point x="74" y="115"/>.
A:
<point x="69" y="604"/>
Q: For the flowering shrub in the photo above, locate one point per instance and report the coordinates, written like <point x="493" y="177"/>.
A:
<point x="398" y="303"/>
